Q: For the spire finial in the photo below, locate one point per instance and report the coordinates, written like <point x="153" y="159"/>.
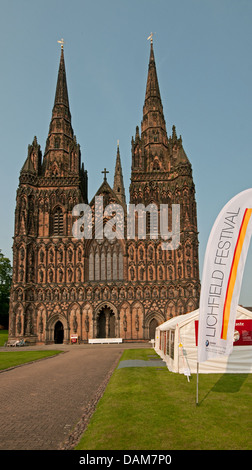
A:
<point x="62" y="42"/>
<point x="151" y="37"/>
<point x="118" y="143"/>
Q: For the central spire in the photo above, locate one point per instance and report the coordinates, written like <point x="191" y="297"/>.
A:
<point x="118" y="187"/>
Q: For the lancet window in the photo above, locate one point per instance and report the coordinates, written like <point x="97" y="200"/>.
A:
<point x="105" y="261"/>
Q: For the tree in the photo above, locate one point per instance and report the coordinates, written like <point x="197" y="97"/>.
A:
<point x="5" y="285"/>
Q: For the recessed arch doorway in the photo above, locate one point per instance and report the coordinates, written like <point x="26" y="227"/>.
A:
<point x="152" y="328"/>
<point x="106" y="323"/>
<point x="58" y="332"/>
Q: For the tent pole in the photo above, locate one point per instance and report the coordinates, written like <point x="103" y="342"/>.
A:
<point x="197" y="386"/>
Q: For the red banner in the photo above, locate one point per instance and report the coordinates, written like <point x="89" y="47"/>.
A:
<point x="242" y="333"/>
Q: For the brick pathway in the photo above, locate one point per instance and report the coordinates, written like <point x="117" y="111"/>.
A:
<point x="42" y="402"/>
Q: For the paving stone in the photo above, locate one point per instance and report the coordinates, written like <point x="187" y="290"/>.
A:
<point x="46" y="405"/>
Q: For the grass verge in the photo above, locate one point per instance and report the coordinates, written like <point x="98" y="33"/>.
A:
<point x="16" y="358"/>
<point x="151" y="408"/>
<point x="3" y="337"/>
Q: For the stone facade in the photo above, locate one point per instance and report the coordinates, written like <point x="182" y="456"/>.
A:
<point x="91" y="288"/>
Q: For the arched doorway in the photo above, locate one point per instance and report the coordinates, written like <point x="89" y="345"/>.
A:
<point x="58" y="333"/>
<point x="101" y="331"/>
<point x="106" y="323"/>
<point x="152" y="328"/>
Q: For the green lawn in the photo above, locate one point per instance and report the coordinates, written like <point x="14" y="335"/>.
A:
<point x="3" y="337"/>
<point x="150" y="408"/>
<point x="15" y="358"/>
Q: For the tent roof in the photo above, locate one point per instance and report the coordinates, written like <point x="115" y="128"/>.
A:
<point x="187" y="317"/>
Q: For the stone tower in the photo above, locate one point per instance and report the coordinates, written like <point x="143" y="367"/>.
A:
<point x="43" y="255"/>
<point x="162" y="174"/>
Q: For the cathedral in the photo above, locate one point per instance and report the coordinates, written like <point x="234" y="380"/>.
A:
<point x="67" y="287"/>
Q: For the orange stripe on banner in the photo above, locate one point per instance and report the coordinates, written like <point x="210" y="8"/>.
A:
<point x="233" y="272"/>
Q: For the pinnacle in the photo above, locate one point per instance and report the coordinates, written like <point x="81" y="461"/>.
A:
<point x="118" y="187"/>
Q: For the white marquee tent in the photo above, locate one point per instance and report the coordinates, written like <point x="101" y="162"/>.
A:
<point x="176" y="343"/>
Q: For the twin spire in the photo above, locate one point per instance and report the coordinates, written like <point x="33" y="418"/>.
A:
<point x="153" y="128"/>
<point x="152" y="87"/>
<point x="62" y="153"/>
<point x="61" y="95"/>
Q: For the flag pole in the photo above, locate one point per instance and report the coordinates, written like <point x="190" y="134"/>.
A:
<point x="197" y="385"/>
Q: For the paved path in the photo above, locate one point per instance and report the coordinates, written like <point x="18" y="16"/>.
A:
<point x="42" y="402"/>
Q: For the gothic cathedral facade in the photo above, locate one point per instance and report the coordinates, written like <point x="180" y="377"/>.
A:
<point x="99" y="288"/>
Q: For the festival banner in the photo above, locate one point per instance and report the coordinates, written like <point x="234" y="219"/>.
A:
<point x="223" y="269"/>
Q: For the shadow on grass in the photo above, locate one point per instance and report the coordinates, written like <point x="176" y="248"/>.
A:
<point x="227" y="383"/>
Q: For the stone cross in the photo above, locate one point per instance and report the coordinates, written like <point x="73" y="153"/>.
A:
<point x="105" y="174"/>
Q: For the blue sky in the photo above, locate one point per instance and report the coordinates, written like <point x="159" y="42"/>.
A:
<point x="204" y="64"/>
